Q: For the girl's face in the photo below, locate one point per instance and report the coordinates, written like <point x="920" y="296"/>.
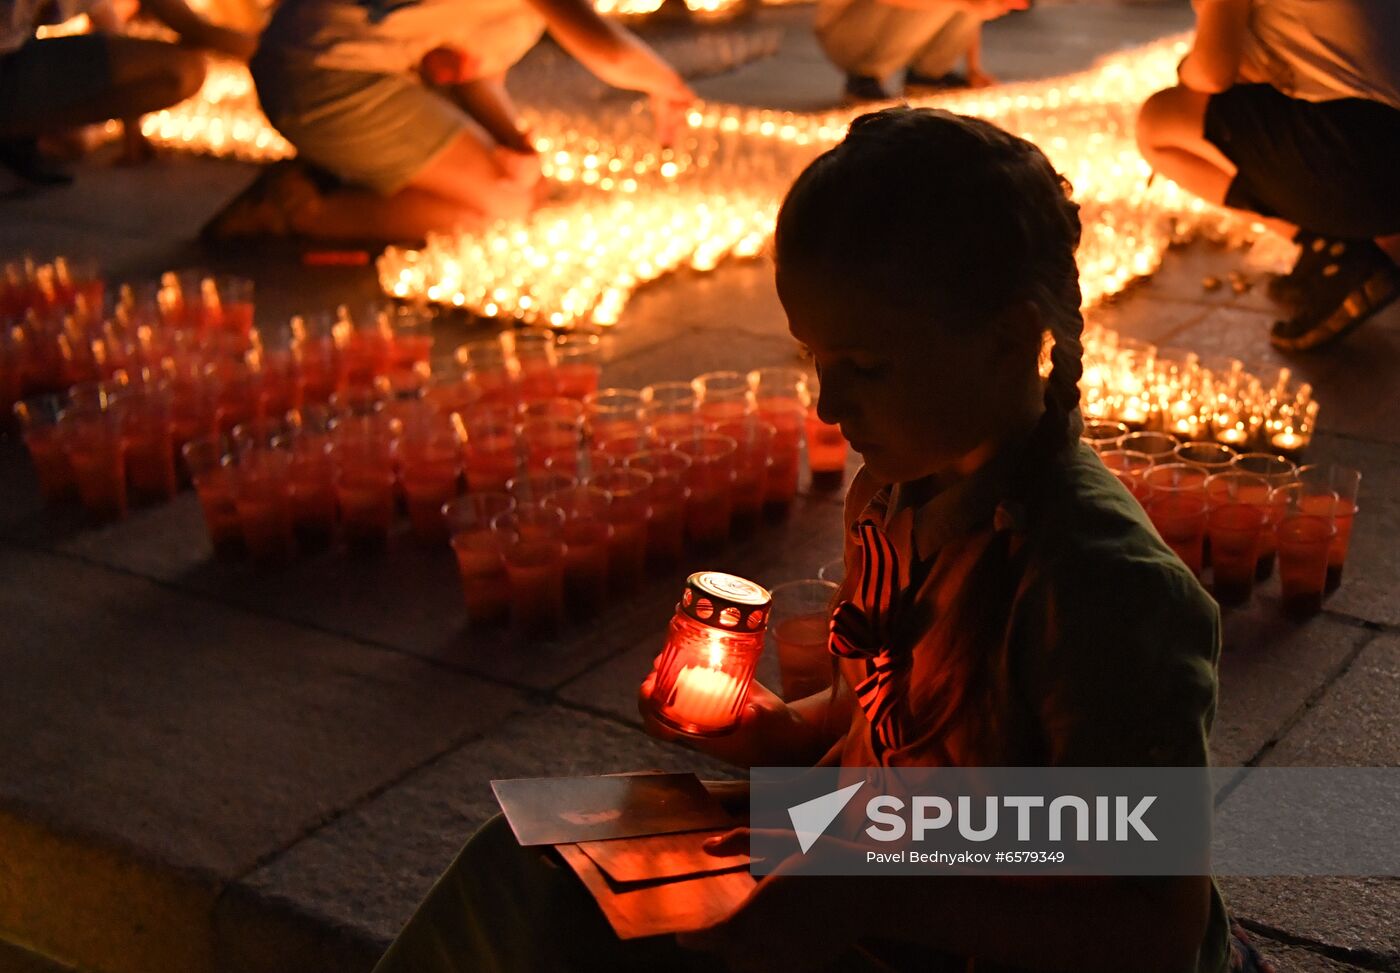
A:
<point x="914" y="398"/>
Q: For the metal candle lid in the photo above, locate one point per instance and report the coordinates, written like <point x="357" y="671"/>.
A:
<point x="725" y="601"/>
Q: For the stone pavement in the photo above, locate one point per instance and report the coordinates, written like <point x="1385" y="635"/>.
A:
<point x="203" y="767"/>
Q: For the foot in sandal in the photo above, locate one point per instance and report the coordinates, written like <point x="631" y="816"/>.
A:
<point x="1355" y="281"/>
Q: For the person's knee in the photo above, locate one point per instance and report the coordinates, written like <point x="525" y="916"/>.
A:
<point x="1171" y="117"/>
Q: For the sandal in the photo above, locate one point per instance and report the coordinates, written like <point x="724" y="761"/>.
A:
<point x="1355" y="282"/>
<point x="1291" y="289"/>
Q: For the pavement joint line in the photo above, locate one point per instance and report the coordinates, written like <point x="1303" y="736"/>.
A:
<point x="1312" y="699"/>
<point x="1367" y="959"/>
<point x="244" y="609"/>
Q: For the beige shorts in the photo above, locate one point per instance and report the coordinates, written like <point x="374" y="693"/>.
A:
<point x="373" y="130"/>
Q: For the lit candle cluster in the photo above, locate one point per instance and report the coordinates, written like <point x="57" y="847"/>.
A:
<point x="1138" y="385"/>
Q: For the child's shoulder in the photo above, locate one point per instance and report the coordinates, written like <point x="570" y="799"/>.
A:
<point x="1089" y="531"/>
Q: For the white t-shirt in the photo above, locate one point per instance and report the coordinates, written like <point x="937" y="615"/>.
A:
<point x="20" y="18"/>
<point x="1321" y="50"/>
<point x="391" y="36"/>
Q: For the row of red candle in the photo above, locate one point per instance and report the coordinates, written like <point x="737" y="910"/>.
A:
<point x="1237" y="514"/>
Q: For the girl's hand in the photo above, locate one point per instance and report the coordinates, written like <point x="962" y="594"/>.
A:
<point x="763" y="720"/>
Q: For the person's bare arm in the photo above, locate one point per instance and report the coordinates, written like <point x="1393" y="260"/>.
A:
<point x="487" y="101"/>
<point x="195" y="31"/>
<point x="1213" y="63"/>
<point x="982" y="9"/>
<point x="618" y="57"/>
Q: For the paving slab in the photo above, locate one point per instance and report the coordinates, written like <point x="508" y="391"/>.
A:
<point x="361" y="876"/>
<point x="1356" y="723"/>
<point x="1299" y="959"/>
<point x="1351" y="914"/>
<point x="156" y="746"/>
<point x="1270" y="670"/>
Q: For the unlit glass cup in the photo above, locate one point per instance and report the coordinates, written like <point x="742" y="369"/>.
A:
<point x="628" y="510"/>
<point x="1331" y="490"/>
<point x="709" y="483"/>
<point x="1158" y="445"/>
<point x="39" y="424"/>
<point x="262" y="495"/>
<point x="614" y="413"/>
<point x="480" y="558"/>
<point x="799" y="628"/>
<point x="1130" y="468"/>
<point x="587" y="537"/>
<point x="1180" y="518"/>
<point x="209" y="460"/>
<point x="722" y="396"/>
<point x="1303" y="544"/>
<point x="1234" y="530"/>
<point x="431" y="465"/>
<point x="666" y="522"/>
<point x="753" y="456"/>
<point x="1210" y="457"/>
<point x="578" y="364"/>
<point x="532" y="544"/>
<point x="492" y="449"/>
<point x="96" y="453"/>
<point x="534" y="487"/>
<point x="312" y="485"/>
<point x="1233" y="486"/>
<point x="1102" y="436"/>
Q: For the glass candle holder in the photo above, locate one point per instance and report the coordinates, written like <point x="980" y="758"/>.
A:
<point x="532" y="544"/>
<point x="480" y="555"/>
<point x="364" y="453"/>
<point x="1233" y="486"/>
<point x="722" y="396"/>
<point x="578" y="365"/>
<point x="587" y="537"/>
<point x="144" y="417"/>
<point x="411" y="336"/>
<point x="209" y="461"/>
<point x="545" y="438"/>
<point x="669" y="430"/>
<point x="262" y="496"/>
<point x="39" y="424"/>
<point x="666" y="521"/>
<point x="752" y="458"/>
<point x="614" y="413"/>
<point x="312" y="486"/>
<point x="492" y="452"/>
<point x="558" y="407"/>
<point x="630" y="490"/>
<point x="709" y="484"/>
<point x="1130" y="467"/>
<point x="1331" y="491"/>
<point x="581" y="464"/>
<point x="799" y="628"/>
<point x="533" y="350"/>
<point x="96" y="452"/>
<point x="1180" y="518"/>
<point x="1158" y="445"/>
<point x="431" y="465"/>
<point x="1303" y="544"/>
<point x="788" y="417"/>
<point x="1234" y="530"/>
<point x="669" y="398"/>
<point x="1210" y="457"/>
<point x="622" y="446"/>
<point x="490" y="369"/>
<point x="1102" y="436"/>
<point x="715" y="640"/>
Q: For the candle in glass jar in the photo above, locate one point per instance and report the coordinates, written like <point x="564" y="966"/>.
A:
<point x="704" y="695"/>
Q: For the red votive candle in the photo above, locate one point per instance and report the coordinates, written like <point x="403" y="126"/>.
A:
<point x="666" y="520"/>
<point x="492" y="455"/>
<point x="96" y="454"/>
<point x="1181" y="520"/>
<point x="1320" y="483"/>
<point x="1130" y="468"/>
<point x="709" y="485"/>
<point x="1303" y="543"/>
<point x="722" y="396"/>
<point x="313" y="493"/>
<point x="532" y="544"/>
<point x="614" y="413"/>
<point x="587" y="534"/>
<point x="787" y="418"/>
<point x="209" y="462"/>
<point x="545" y="438"/>
<point x="752" y="459"/>
<point x="432" y="464"/>
<point x="1234" y="530"/>
<point x="715" y="640"/>
<point x="262" y="495"/>
<point x="39" y="423"/>
<point x="480" y="560"/>
<point x="578" y="364"/>
<point x="630" y="490"/>
<point x="145" y="421"/>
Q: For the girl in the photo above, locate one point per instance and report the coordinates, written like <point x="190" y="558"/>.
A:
<point x="1290" y="109"/>
<point x="403" y="104"/>
<point x="1006" y="603"/>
